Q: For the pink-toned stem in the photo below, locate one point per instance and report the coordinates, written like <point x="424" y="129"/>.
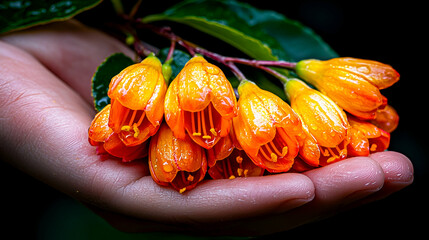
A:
<point x="256" y="63"/>
<point x="227" y="61"/>
<point x="171" y="50"/>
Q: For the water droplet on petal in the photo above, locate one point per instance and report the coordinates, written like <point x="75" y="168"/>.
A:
<point x="167" y="168"/>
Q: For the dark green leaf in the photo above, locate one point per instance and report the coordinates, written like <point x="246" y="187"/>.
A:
<point x="180" y="58"/>
<point x="101" y="79"/>
<point x="18" y="14"/>
<point x="261" y="34"/>
<point x="296" y="40"/>
<point x="219" y="20"/>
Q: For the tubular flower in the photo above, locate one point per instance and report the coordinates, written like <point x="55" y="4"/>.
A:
<point x="100" y="135"/>
<point x="228" y="161"/>
<point x="386" y="119"/>
<point x="366" y="138"/>
<point x="309" y="150"/>
<point x="266" y="128"/>
<point x="324" y="120"/>
<point x="201" y="102"/>
<point x="352" y="83"/>
<point x="174" y="162"/>
<point x="137" y="96"/>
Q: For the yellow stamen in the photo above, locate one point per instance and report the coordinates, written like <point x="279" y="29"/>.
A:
<point x="196" y="134"/>
<point x="273" y="157"/>
<point x="125" y="128"/>
<point x="239" y="172"/>
<point x="213" y="131"/>
<point x="246" y="171"/>
<point x="136" y="130"/>
<point x="182" y="190"/>
<point x="284" y="151"/>
<point x="239" y="159"/>
<point x="231" y="177"/>
<point x="373" y="147"/>
<point x="331" y="159"/>
<point x="207" y="137"/>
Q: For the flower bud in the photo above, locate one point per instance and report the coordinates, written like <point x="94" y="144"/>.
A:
<point x="323" y="120"/>
<point x="386" y="119"/>
<point x="326" y="122"/>
<point x="352" y="83"/>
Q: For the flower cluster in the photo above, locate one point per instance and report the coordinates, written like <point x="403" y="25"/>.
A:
<point x="207" y="130"/>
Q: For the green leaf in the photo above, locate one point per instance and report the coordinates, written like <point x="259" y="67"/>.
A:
<point x="18" y="14"/>
<point x="218" y="21"/>
<point x="180" y="58"/>
<point x="110" y="67"/>
<point x="261" y="34"/>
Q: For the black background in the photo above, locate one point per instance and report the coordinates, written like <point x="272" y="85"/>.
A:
<point x="393" y="32"/>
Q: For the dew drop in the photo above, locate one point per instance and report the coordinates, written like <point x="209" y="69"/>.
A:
<point x="364" y="69"/>
<point x="167" y="167"/>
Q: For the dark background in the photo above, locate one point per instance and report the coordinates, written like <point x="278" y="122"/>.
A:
<point x="390" y="32"/>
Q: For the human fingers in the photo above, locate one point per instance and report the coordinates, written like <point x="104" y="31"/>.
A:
<point x="227" y="206"/>
<point x="45" y="134"/>
<point x="398" y="173"/>
<point x="346" y="181"/>
<point x="336" y="186"/>
<point x="70" y="50"/>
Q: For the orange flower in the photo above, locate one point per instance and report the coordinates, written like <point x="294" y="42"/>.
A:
<point x="266" y="128"/>
<point x="366" y="138"/>
<point x="201" y="100"/>
<point x="352" y="83"/>
<point x="386" y="119"/>
<point x="309" y="150"/>
<point x="137" y="94"/>
<point x="100" y="135"/>
<point x="174" y="162"/>
<point x="324" y="120"/>
<point x="227" y="160"/>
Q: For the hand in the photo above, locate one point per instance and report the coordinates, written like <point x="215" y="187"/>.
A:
<point x="46" y="109"/>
